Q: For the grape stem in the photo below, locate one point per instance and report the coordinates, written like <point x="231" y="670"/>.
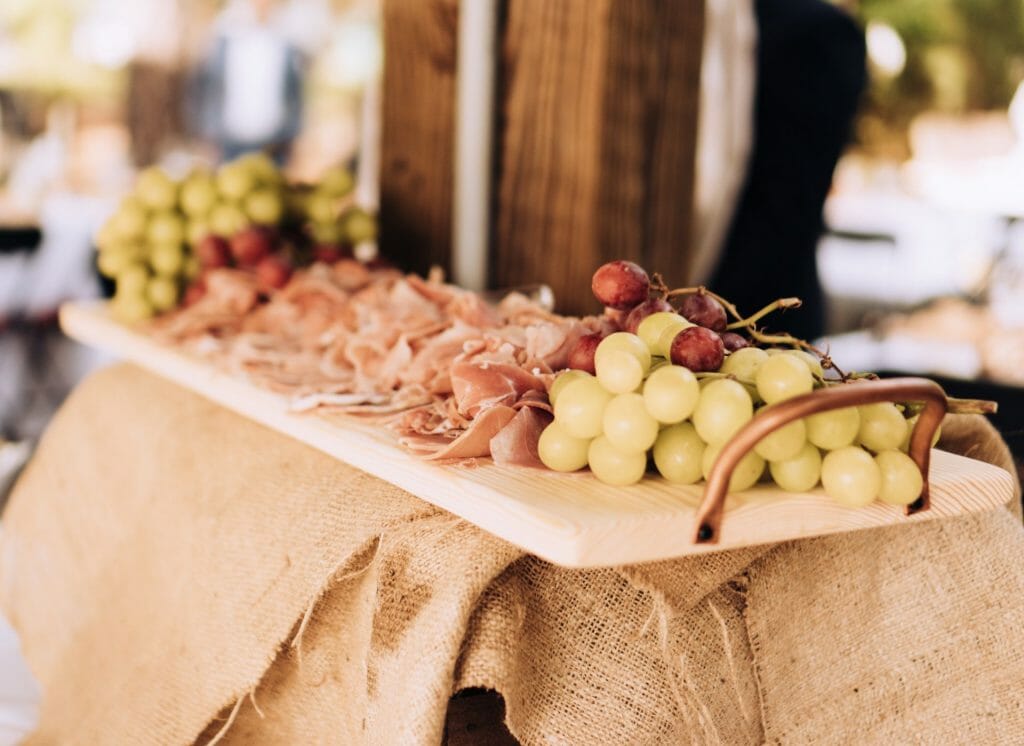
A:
<point x="781" y="303"/>
<point x="749" y="323"/>
<point x="701" y="290"/>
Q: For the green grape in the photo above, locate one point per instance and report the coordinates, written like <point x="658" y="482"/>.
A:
<point x="359" y="225"/>
<point x="850" y="476"/>
<point x="621" y="361"/>
<point x="165" y="228"/>
<point x="264" y="206"/>
<point x="156" y="190"/>
<point x="812" y="362"/>
<point x="167" y="259"/>
<point x="198" y="194"/>
<point x="113" y="261"/>
<point x="744" y="476"/>
<point x="627" y="425"/>
<point x="227" y="219"/>
<point x="723" y="408"/>
<point x="650" y="328"/>
<point x="613" y="466"/>
<point x="671" y="393"/>
<point x="235" y="180"/>
<point x="337" y="181"/>
<point x="580" y="407"/>
<point x="800" y="473"/>
<point x="131" y="281"/>
<point x="560" y="451"/>
<point x="783" y="443"/>
<point x="328" y="233"/>
<point x="901" y="479"/>
<point x="626" y="342"/>
<point x="129" y="222"/>
<point x="562" y="380"/>
<point x="262" y="167"/>
<point x="162" y="293"/>
<point x="322" y="208"/>
<point x="619" y="371"/>
<point x="911" y="424"/>
<point x="833" y="429"/>
<point x="196" y="231"/>
<point x="106" y="237"/>
<point x="744" y="363"/>
<point x="782" y="377"/>
<point x="882" y="426"/>
<point x="678" y="453"/>
<point x="131" y="309"/>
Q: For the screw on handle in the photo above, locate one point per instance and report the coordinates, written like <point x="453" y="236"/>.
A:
<point x="774" y="416"/>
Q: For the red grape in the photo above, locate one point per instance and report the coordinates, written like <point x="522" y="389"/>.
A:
<point x="273" y="272"/>
<point x="329" y="253"/>
<point x="250" y="245"/>
<point x="645" y="309"/>
<point x="213" y="251"/>
<point x="581" y="357"/>
<point x="620" y="284"/>
<point x="734" y="341"/>
<point x="194" y="292"/>
<point x="698" y="349"/>
<point x="703" y="310"/>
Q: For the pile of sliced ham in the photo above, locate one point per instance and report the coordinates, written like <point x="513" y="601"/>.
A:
<point x="456" y="378"/>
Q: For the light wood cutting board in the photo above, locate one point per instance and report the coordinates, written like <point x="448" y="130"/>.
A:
<point x="573" y="520"/>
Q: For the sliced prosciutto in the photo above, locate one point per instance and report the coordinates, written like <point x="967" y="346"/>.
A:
<point x="453" y="376"/>
<point x="479" y="386"/>
<point x="474" y="442"/>
<point x="516" y="443"/>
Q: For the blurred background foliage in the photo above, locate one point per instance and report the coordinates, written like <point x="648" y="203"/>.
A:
<point x="959" y="56"/>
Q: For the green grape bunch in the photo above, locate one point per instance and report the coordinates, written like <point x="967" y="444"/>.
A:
<point x="667" y="394"/>
<point x="167" y="232"/>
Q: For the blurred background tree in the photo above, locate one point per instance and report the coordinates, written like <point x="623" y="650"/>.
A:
<point x="947" y="56"/>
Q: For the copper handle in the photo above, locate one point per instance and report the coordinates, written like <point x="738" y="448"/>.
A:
<point x="774" y="416"/>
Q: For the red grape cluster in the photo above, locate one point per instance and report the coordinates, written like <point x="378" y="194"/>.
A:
<point x="626" y="287"/>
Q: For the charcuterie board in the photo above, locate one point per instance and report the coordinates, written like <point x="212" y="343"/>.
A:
<point x="570" y="519"/>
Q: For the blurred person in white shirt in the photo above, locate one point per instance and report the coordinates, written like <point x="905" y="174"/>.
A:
<point x="250" y="88"/>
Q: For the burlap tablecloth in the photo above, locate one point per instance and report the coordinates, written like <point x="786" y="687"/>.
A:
<point x="174" y="568"/>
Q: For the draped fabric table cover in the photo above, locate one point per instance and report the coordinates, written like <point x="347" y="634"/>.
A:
<point x="180" y="574"/>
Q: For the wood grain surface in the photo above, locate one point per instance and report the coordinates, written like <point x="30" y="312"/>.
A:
<point x="570" y="519"/>
<point x="597" y="140"/>
<point x="417" y="131"/>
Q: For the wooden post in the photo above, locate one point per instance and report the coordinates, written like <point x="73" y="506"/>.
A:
<point x="417" y="132"/>
<point x="595" y="138"/>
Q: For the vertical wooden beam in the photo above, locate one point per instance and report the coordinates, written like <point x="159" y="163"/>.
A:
<point x="597" y="138"/>
<point x="417" y="131"/>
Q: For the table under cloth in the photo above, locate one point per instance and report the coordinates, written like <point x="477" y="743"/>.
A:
<point x="179" y="574"/>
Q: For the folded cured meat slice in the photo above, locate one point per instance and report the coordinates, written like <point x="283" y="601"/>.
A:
<point x="473" y="442"/>
<point x="516" y="443"/>
<point x="479" y="386"/>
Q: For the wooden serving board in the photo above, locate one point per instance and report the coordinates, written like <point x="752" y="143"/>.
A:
<point x="570" y="519"/>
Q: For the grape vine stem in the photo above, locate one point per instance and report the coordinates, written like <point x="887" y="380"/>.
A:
<point x="749" y="324"/>
<point x="781" y="303"/>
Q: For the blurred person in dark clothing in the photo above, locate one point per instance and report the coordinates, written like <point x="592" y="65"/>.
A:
<point x="811" y="71"/>
<point x="250" y="88"/>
